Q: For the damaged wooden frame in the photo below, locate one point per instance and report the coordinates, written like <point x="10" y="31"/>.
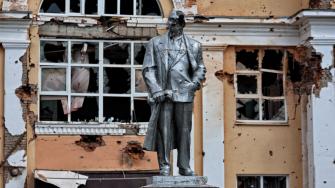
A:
<point x="260" y="86"/>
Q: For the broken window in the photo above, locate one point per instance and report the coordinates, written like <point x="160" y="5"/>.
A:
<point x="262" y="182"/>
<point x="106" y="7"/>
<point x="259" y="85"/>
<point x="80" y="83"/>
<point x="53" y="6"/>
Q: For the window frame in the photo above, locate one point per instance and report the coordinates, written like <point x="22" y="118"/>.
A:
<point x="132" y="95"/>
<point x="261" y="181"/>
<point x="259" y="96"/>
<point x="100" y="10"/>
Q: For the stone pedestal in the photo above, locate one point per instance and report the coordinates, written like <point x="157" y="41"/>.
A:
<point x="179" y="181"/>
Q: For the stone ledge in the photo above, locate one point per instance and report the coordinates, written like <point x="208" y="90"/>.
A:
<point x="179" y="181"/>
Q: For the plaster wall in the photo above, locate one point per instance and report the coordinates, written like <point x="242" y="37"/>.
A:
<point x="62" y="153"/>
<point x="260" y="149"/>
<point x="264" y="8"/>
<point x="2" y="133"/>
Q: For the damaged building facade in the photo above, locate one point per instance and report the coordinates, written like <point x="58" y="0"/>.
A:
<point x="73" y="100"/>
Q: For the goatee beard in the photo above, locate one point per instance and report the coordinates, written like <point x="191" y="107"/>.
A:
<point x="175" y="32"/>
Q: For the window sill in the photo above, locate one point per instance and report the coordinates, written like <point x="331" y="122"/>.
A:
<point x="261" y="123"/>
<point x="55" y="128"/>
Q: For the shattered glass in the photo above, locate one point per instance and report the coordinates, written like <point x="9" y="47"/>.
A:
<point x="52" y="6"/>
<point x="272" y="84"/>
<point x="247" y="60"/>
<point x="247" y="84"/>
<point x="147" y="7"/>
<point x="273" y="110"/>
<point x="117" y="109"/>
<point x="247" y="109"/>
<point x="140" y="86"/>
<point x="85" y="52"/>
<point x="274" y="182"/>
<point x="84" y="80"/>
<point x="127" y="7"/>
<point x="51" y="108"/>
<point x="53" y="51"/>
<point x="84" y="108"/>
<point x="117" y="53"/>
<point x="118" y="80"/>
<point x="139" y="52"/>
<point x="273" y="59"/>
<point x="53" y="79"/>
<point x="248" y="182"/>
<point x="110" y="7"/>
<point x="91" y="6"/>
<point x="142" y="110"/>
<point x="75" y="6"/>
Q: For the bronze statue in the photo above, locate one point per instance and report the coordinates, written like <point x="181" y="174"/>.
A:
<point x="173" y="70"/>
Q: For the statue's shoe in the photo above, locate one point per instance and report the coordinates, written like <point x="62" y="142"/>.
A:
<point x="165" y="170"/>
<point x="186" y="172"/>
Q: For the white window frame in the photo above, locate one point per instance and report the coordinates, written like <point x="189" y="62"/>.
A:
<point x="262" y="176"/>
<point x="258" y="96"/>
<point x="61" y="127"/>
<point x="100" y="11"/>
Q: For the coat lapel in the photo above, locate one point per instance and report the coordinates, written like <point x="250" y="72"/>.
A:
<point x="163" y="46"/>
<point x="180" y="54"/>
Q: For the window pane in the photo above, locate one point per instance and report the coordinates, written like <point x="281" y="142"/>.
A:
<point x="247" y="84"/>
<point x="117" y="109"/>
<point x="247" y="60"/>
<point x="91" y="7"/>
<point x="142" y="110"/>
<point x="117" y="80"/>
<point x="53" y="51"/>
<point x="147" y="7"/>
<point x="247" y="109"/>
<point x="117" y="53"/>
<point x="274" y="182"/>
<point x="84" y="108"/>
<point x="273" y="59"/>
<point x="126" y="7"/>
<point x="273" y="110"/>
<point x="53" y="79"/>
<point x="110" y="6"/>
<point x="139" y="52"/>
<point x="140" y="86"/>
<point x="75" y="6"/>
<point x="248" y="182"/>
<point x="272" y="84"/>
<point x="52" y="108"/>
<point x="52" y="6"/>
<point x="84" y="80"/>
<point x="85" y="52"/>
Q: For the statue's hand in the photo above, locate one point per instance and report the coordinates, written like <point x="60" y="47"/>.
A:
<point x="159" y="96"/>
<point x="192" y="86"/>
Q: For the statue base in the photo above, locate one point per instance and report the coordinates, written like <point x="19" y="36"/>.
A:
<point x="179" y="181"/>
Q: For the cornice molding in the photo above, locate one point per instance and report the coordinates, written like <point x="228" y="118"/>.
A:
<point x="78" y="129"/>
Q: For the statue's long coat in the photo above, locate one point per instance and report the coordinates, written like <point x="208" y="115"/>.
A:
<point x="158" y="72"/>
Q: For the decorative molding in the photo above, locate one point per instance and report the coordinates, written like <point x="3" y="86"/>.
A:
<point x="78" y="129"/>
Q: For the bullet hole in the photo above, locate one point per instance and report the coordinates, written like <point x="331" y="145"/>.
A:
<point x="271" y="30"/>
<point x="325" y="182"/>
<point x="285" y="162"/>
<point x="233" y="31"/>
<point x="118" y="142"/>
<point x="32" y="65"/>
<point x="239" y="134"/>
<point x="132" y="152"/>
<point x="299" y="129"/>
<point x="235" y="147"/>
<point x="149" y="160"/>
<point x="220" y="25"/>
<point x="81" y="157"/>
<point x="90" y="142"/>
<point x="16" y="62"/>
<point x="271" y="153"/>
<point x="254" y="139"/>
<point x="14" y="172"/>
<point x="334" y="162"/>
<point x="214" y="38"/>
<point x="203" y="153"/>
<point x="292" y="172"/>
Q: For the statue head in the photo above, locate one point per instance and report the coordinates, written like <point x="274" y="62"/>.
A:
<point x="176" y="23"/>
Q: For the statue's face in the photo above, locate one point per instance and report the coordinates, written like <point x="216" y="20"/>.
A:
<point x="175" y="24"/>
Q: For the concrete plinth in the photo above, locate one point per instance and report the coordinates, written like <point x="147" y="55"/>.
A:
<point x="179" y="181"/>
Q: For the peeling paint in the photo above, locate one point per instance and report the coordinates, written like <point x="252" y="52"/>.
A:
<point x="18" y="159"/>
<point x="132" y="152"/>
<point x="63" y="179"/>
<point x="320" y="4"/>
<point x="18" y="181"/>
<point x="15" y="5"/>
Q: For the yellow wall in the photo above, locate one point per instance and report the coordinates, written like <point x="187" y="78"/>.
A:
<point x="61" y="153"/>
<point x="2" y="134"/>
<point x="251" y="7"/>
<point x="248" y="148"/>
